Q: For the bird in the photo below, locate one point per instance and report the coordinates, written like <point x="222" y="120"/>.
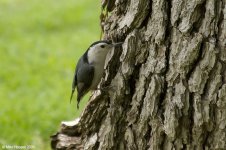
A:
<point x="90" y="68"/>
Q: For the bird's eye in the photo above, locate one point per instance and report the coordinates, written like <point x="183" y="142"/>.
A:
<point x="102" y="46"/>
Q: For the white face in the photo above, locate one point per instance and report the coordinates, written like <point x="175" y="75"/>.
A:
<point x="102" y="47"/>
<point x="98" y="52"/>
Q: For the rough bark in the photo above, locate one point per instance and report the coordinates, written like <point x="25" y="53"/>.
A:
<point x="167" y="83"/>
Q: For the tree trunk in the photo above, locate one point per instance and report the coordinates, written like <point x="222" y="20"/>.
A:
<point x="167" y="84"/>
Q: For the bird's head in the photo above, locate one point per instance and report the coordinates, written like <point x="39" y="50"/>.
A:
<point x="99" y="49"/>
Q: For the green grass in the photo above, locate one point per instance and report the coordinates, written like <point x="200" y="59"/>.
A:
<point x="40" y="42"/>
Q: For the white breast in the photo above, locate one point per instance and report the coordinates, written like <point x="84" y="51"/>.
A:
<point x="98" y="73"/>
<point x="97" y="59"/>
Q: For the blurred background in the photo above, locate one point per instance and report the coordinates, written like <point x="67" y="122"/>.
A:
<point x="40" y="43"/>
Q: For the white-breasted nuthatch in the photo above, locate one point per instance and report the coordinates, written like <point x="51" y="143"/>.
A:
<point x="90" y="68"/>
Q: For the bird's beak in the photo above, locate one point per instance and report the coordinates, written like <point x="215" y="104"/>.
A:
<point x="117" y="44"/>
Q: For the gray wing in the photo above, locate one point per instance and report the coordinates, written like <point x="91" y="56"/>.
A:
<point x="74" y="83"/>
<point x="84" y="80"/>
<point x="83" y="77"/>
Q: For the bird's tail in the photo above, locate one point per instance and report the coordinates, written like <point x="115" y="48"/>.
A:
<point x="78" y="104"/>
<point x="78" y="101"/>
<point x="72" y="92"/>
